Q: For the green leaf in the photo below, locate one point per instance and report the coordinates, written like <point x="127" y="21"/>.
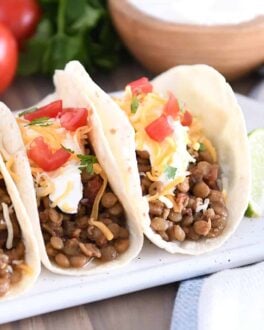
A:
<point x="201" y="147"/>
<point x="134" y="104"/>
<point x="87" y="162"/>
<point x="68" y="30"/>
<point x="67" y="149"/>
<point x="30" y="61"/>
<point x="74" y="11"/>
<point x="61" y="50"/>
<point x="170" y="172"/>
<point x="88" y="19"/>
<point x="42" y="121"/>
<point x="30" y="110"/>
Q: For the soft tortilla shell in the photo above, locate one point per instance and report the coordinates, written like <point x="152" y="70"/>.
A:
<point x="70" y="91"/>
<point x="209" y="98"/>
<point x="7" y="125"/>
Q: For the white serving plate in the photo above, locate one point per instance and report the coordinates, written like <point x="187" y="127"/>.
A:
<point x="153" y="266"/>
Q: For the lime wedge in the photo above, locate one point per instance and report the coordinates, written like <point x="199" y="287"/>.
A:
<point x="256" y="199"/>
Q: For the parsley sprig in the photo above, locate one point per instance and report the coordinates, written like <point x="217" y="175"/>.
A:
<point x="30" y="110"/>
<point x="42" y="121"/>
<point x="201" y="147"/>
<point x="87" y="162"/>
<point x="67" y="149"/>
<point x="170" y="172"/>
<point x="134" y="104"/>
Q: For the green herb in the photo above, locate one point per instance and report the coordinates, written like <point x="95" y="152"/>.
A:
<point x="23" y="113"/>
<point x="42" y="121"/>
<point x="87" y="162"/>
<point x="71" y="30"/>
<point x="134" y="104"/>
<point x="170" y="172"/>
<point x="67" y="149"/>
<point x="201" y="147"/>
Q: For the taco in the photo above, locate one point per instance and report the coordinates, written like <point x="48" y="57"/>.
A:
<point x="75" y="198"/>
<point x="19" y="256"/>
<point x="188" y="172"/>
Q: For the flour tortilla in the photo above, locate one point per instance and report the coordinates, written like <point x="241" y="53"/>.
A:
<point x="32" y="257"/>
<point x="212" y="101"/>
<point x="73" y="96"/>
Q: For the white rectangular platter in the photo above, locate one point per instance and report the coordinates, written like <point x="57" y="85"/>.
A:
<point x="153" y="266"/>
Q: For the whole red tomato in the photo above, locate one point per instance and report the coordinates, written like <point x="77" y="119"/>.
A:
<point x="8" y="57"/>
<point x="20" y="16"/>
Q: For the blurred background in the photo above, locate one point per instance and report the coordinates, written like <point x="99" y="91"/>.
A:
<point x="119" y="40"/>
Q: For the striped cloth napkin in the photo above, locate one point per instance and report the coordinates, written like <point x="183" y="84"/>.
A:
<point x="232" y="299"/>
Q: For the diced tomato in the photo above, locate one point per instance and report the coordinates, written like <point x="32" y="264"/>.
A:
<point x="159" y="129"/>
<point x="141" y="85"/>
<point x="73" y="118"/>
<point x="172" y="108"/>
<point x="42" y="155"/>
<point x="186" y="118"/>
<point x="50" y="110"/>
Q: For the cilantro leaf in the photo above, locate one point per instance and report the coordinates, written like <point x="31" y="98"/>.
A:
<point x="67" y="149"/>
<point x="134" y="104"/>
<point x="201" y="147"/>
<point x="42" y="121"/>
<point x="87" y="162"/>
<point x="23" y="113"/>
<point x="170" y="172"/>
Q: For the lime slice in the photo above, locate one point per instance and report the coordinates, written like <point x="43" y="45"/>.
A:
<point x="256" y="199"/>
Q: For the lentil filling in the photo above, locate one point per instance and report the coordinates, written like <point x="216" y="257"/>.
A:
<point x="72" y="240"/>
<point x="12" y="249"/>
<point x="199" y="209"/>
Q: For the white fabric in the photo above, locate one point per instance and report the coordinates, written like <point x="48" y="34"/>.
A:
<point x="233" y="299"/>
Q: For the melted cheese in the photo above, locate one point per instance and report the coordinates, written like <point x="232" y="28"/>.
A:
<point x="10" y="231"/>
<point x="9" y="165"/>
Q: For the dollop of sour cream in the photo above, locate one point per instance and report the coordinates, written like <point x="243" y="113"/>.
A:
<point x="68" y="187"/>
<point x="181" y="157"/>
<point x="203" y="12"/>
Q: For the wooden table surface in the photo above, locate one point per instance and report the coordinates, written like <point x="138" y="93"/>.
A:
<point x="148" y="309"/>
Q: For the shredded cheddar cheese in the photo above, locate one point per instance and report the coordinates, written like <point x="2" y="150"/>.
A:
<point x="44" y="186"/>
<point x="95" y="209"/>
<point x="104" y="229"/>
<point x="94" y="214"/>
<point x="10" y="231"/>
<point x="209" y="147"/>
<point x="82" y="134"/>
<point x="171" y="185"/>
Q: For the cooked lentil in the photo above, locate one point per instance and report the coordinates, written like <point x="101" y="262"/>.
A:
<point x="185" y="220"/>
<point x="10" y="259"/>
<point x="71" y="239"/>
